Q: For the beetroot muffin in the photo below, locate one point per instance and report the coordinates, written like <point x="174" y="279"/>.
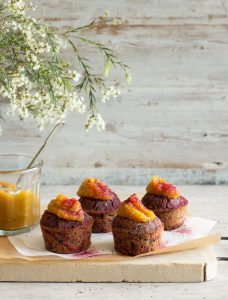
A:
<point x="65" y="226"/>
<point x="166" y="202"/>
<point x="99" y="202"/>
<point x="136" y="229"/>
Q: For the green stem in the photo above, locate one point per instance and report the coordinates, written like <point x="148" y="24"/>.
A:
<point x="44" y="144"/>
<point x="40" y="150"/>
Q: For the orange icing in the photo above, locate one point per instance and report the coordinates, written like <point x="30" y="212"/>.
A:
<point x="160" y="187"/>
<point x="133" y="209"/>
<point x="66" y="208"/>
<point x="94" y="188"/>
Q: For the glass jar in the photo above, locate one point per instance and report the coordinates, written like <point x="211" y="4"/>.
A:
<point x="19" y="193"/>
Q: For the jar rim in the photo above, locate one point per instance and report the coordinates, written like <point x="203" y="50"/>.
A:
<point x="37" y="165"/>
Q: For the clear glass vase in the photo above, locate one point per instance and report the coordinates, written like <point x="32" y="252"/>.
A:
<point x="19" y="193"/>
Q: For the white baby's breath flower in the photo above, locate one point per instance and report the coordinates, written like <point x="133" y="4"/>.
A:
<point x="33" y="58"/>
<point x="16" y="26"/>
<point x="47" y="48"/>
<point x="76" y="76"/>
<point x="17" y="6"/>
<point x="110" y="92"/>
<point x="36" y="67"/>
<point x="37" y="81"/>
<point x="29" y="36"/>
<point x="95" y="121"/>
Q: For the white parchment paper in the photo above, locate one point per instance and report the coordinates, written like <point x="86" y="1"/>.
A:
<point x="32" y="244"/>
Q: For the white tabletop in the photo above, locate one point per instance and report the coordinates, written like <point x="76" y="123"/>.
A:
<point x="204" y="201"/>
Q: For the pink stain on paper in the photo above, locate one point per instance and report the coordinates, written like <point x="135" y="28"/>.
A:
<point x="183" y="230"/>
<point x="163" y="244"/>
<point x="88" y="253"/>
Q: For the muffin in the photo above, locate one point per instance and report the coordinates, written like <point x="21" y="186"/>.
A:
<point x="98" y="201"/>
<point x="166" y="202"/>
<point x="136" y="229"/>
<point x="65" y="226"/>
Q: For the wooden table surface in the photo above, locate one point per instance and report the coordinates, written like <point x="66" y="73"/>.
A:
<point x="205" y="201"/>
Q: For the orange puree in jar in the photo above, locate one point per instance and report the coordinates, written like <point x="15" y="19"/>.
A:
<point x="18" y="208"/>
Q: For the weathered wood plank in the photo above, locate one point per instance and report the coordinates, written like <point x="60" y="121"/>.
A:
<point x="173" y="116"/>
<point x="135" y="12"/>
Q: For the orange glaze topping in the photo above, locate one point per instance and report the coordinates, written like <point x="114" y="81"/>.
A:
<point x="66" y="208"/>
<point x="160" y="187"/>
<point x="95" y="189"/>
<point x="133" y="209"/>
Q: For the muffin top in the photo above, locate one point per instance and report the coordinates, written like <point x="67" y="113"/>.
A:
<point x="66" y="208"/>
<point x="134" y="210"/>
<point x="124" y="224"/>
<point x="163" y="203"/>
<point x="96" y="206"/>
<point x="95" y="189"/>
<point x="158" y="186"/>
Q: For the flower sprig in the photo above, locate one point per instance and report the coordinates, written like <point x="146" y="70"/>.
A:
<point x="38" y="81"/>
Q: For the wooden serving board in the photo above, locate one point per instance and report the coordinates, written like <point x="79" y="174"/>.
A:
<point x="195" y="265"/>
<point x="187" y="266"/>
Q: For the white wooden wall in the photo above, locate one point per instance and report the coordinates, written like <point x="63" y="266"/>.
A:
<point x="172" y="120"/>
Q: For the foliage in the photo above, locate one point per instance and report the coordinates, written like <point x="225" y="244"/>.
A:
<point x="37" y="80"/>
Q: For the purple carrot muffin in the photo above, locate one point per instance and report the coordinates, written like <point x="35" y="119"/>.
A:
<point x="100" y="202"/>
<point x="66" y="228"/>
<point x="136" y="229"/>
<point x="166" y="202"/>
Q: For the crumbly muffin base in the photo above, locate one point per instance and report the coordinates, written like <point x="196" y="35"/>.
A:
<point x="135" y="242"/>
<point x="66" y="237"/>
<point x="102" y="222"/>
<point x="102" y="211"/>
<point x="171" y="219"/>
<point x="170" y="211"/>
